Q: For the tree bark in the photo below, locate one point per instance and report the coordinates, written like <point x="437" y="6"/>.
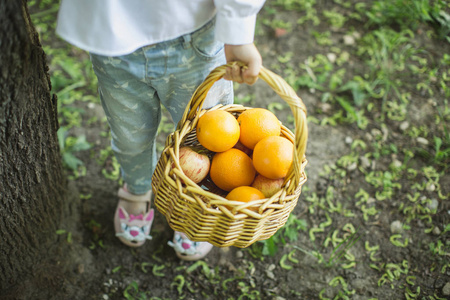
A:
<point x="32" y="182"/>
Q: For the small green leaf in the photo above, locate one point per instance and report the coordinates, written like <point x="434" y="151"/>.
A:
<point x="61" y="133"/>
<point x="283" y="262"/>
<point x="274" y="106"/>
<point x="71" y="161"/>
<point x="133" y="286"/>
<point x="410" y="280"/>
<point x="80" y="144"/>
<point x="69" y="237"/>
<point x="394" y="240"/>
<point x="144" y="266"/>
<point x="157" y="270"/>
<point x="447" y="228"/>
<point x="178" y="281"/>
<point x="270" y="248"/>
<point x="292" y="258"/>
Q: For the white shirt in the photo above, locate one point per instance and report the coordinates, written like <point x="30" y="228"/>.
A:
<point x="119" y="27"/>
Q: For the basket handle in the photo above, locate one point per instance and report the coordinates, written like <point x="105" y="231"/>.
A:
<point x="284" y="90"/>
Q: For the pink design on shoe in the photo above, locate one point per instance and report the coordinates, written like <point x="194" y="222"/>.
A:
<point x="121" y="214"/>
<point x="150" y="215"/>
<point x="138" y="217"/>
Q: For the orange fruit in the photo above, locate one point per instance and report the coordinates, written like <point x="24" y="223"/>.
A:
<point x="273" y="156"/>
<point x="232" y="168"/>
<point x="245" y="194"/>
<point x="256" y="124"/>
<point x="218" y="130"/>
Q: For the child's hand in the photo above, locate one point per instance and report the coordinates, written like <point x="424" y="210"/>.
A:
<point x="247" y="54"/>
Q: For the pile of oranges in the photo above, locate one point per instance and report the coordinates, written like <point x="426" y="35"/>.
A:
<point x="250" y="158"/>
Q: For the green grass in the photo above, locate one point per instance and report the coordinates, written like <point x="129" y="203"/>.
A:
<point x="410" y="14"/>
<point x="69" y="145"/>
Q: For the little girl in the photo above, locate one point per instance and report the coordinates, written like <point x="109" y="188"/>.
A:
<point x="148" y="53"/>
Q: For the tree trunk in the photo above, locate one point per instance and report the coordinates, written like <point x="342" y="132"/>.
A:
<point x="32" y="183"/>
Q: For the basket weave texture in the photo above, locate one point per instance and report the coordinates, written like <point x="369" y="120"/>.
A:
<point x="200" y="210"/>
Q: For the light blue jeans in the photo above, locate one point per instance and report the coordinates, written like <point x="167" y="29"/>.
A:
<point x="133" y="87"/>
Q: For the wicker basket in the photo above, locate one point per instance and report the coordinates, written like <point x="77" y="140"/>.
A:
<point x="200" y="210"/>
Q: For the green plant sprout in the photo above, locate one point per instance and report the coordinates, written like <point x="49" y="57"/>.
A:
<point x="288" y="233"/>
<point x="69" y="145"/>
<point x="69" y="235"/>
<point x="335" y="19"/>
<point x="132" y="292"/>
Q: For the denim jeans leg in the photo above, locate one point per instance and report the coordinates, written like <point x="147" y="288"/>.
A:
<point x="133" y="111"/>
